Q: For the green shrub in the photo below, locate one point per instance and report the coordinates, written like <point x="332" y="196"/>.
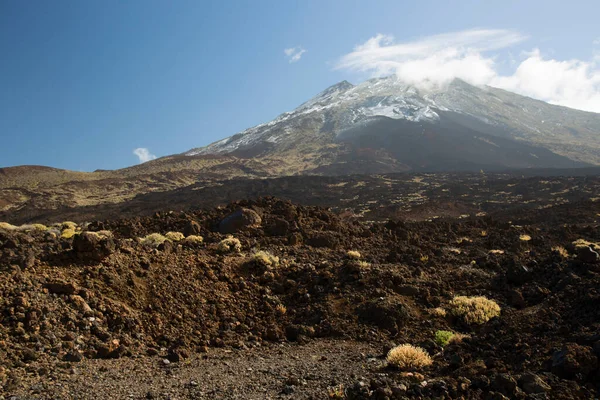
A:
<point x="442" y="338"/>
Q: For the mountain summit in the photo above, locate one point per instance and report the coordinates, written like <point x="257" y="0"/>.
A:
<point x="385" y="125"/>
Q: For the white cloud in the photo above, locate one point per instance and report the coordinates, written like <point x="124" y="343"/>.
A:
<point x="294" y="54"/>
<point x="472" y="56"/>
<point x="143" y="154"/>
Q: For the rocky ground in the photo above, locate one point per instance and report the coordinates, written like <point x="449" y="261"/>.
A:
<point x="105" y="314"/>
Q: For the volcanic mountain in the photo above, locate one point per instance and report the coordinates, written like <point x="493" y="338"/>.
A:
<point x="380" y="126"/>
<point x="385" y="125"/>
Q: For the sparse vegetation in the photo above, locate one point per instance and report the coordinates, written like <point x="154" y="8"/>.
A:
<point x="104" y="234"/>
<point x="408" y="357"/>
<point x="561" y="251"/>
<point x="266" y="259"/>
<point x="67" y="233"/>
<point x="353" y="254"/>
<point x="194" y="239"/>
<point x="584" y="243"/>
<point x="281" y="309"/>
<point x="174" y="236"/>
<point x="474" y="310"/>
<point x="153" y="240"/>
<point x="229" y="245"/>
<point x="68" y="225"/>
<point x="442" y="338"/>
<point x="336" y="392"/>
<point x="437" y="312"/>
<point x="7" y="227"/>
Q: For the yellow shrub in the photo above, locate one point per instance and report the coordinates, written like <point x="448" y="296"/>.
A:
<point x="408" y="357"/>
<point x="229" y="245"/>
<point x="561" y="251"/>
<point x="281" y="309"/>
<point x="437" y="312"/>
<point x="266" y="259"/>
<point x="7" y="227"/>
<point x="175" y="236"/>
<point x="355" y="255"/>
<point x="153" y="240"/>
<point x="69" y="225"/>
<point x="67" y="233"/>
<point x="194" y="239"/>
<point x="525" y="238"/>
<point x="474" y="310"/>
<point x="584" y="243"/>
<point x="39" y="227"/>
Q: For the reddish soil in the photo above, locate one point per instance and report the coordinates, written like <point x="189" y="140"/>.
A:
<point x="95" y="318"/>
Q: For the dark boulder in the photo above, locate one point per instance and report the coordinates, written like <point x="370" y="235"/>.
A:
<point x="240" y="219"/>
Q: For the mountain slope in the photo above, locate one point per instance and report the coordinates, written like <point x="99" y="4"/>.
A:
<point x="495" y="128"/>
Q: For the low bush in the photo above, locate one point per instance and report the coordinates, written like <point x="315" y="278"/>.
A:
<point x="266" y="259"/>
<point x="442" y="338"/>
<point x="153" y="240"/>
<point x="194" y="239"/>
<point x="474" y="310"/>
<point x="7" y="227"/>
<point x="229" y="245"/>
<point x="408" y="357"/>
<point x="353" y="254"/>
<point x="174" y="236"/>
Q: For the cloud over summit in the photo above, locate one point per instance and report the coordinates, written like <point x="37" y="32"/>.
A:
<point x="474" y="56"/>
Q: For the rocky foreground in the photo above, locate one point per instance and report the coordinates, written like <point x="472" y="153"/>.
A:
<point x="300" y="302"/>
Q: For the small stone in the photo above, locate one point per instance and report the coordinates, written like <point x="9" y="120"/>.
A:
<point x="166" y="362"/>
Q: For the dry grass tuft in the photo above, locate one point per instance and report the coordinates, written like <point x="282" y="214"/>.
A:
<point x="281" y="309"/>
<point x="174" y="236"/>
<point x="353" y="254"/>
<point x="495" y="251"/>
<point x="474" y="310"/>
<point x="336" y="392"/>
<point x="525" y="238"/>
<point x="584" y="243"/>
<point x="229" y="245"/>
<point x="194" y="239"/>
<point x="153" y="240"/>
<point x="68" y="225"/>
<point x="7" y="227"/>
<point x="437" y="312"/>
<point x="408" y="357"/>
<point x="266" y="259"/>
<point x="561" y="251"/>
<point x="67" y="233"/>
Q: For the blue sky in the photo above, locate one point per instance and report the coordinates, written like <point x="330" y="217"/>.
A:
<point x="84" y="83"/>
